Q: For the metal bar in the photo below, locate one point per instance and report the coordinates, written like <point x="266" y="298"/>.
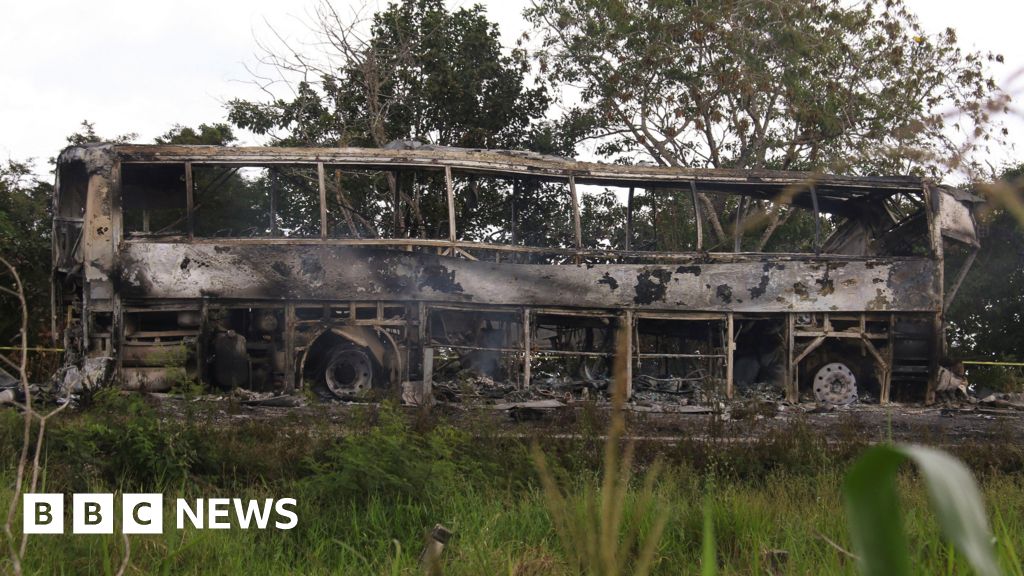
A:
<point x="938" y="340"/>
<point x="547" y="352"/>
<point x="986" y="363"/>
<point x="396" y="202"/>
<point x="697" y="215"/>
<point x="629" y="218"/>
<point x="890" y="354"/>
<point x="351" y="322"/>
<point x="470" y="160"/>
<point x="680" y="316"/>
<point x="810" y="348"/>
<point x="451" y="202"/>
<point x="289" y="342"/>
<point x="428" y="371"/>
<point x="577" y="224"/>
<point x="964" y="268"/>
<point x="34" y="349"/>
<point x="876" y="354"/>
<point x="273" y="202"/>
<point x="630" y="324"/>
<point x="792" y="386"/>
<point x="526" y="347"/>
<point x="322" y="180"/>
<point x="516" y="186"/>
<point x="190" y="216"/>
<point x="730" y="349"/>
<point x="817" y="221"/>
<point x="737" y="233"/>
<point x="597" y="253"/>
<point x="841" y="334"/>
<point x="652" y="355"/>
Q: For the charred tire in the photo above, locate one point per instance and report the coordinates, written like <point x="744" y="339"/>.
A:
<point x="346" y="372"/>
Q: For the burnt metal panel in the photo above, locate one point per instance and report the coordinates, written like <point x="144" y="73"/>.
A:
<point x="331" y="272"/>
<point x="956" y="220"/>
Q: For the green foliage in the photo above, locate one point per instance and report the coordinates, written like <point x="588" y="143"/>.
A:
<point x="987" y="316"/>
<point x="128" y="446"/>
<point x="25" y="222"/>
<point x="391" y="460"/>
<point x="873" y="508"/>
<point x="708" y="559"/>
<point x="429" y="74"/>
<point x="818" y="84"/>
<point x="423" y="73"/>
<point x="87" y="135"/>
<point x="218" y="134"/>
<point x="815" y="85"/>
<point x="765" y="518"/>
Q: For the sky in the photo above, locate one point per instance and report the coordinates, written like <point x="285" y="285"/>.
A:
<point x="141" y="66"/>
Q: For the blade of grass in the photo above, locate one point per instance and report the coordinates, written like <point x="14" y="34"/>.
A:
<point x="873" y="509"/>
<point x="709" y="561"/>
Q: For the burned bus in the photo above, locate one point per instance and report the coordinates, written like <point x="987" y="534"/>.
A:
<point x="351" y="270"/>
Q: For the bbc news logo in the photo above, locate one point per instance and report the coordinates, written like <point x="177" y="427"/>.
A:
<point x="144" y="513"/>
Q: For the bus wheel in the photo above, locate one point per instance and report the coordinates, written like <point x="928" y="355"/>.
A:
<point x="835" y="384"/>
<point x="349" y="371"/>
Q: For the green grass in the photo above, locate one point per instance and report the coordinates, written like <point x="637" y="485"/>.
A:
<point x="366" y="500"/>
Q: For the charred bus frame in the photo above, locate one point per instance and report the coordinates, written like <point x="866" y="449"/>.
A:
<point x="350" y="313"/>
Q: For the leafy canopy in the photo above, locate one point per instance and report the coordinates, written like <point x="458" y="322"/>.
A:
<point x="422" y="73"/>
<point x="815" y="84"/>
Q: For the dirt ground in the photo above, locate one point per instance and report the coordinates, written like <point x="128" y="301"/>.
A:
<point x="942" y="425"/>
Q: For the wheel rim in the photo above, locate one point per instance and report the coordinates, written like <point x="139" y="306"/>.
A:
<point x="348" y="372"/>
<point x="835" y="384"/>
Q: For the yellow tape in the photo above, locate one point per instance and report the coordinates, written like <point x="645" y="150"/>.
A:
<point x="984" y="363"/>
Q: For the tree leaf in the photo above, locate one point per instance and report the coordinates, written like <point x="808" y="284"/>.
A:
<point x="875" y="523"/>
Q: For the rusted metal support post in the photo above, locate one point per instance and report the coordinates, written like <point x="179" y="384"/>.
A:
<point x="204" y="317"/>
<point x="730" y="335"/>
<point x="289" y="345"/>
<point x="396" y="202"/>
<point x="890" y="354"/>
<point x="938" y="341"/>
<point x="964" y="269"/>
<point x="322" y="181"/>
<point x="630" y="321"/>
<point x="577" y="225"/>
<point x="629" y="219"/>
<point x="428" y="371"/>
<point x="526" y="347"/>
<point x="190" y="216"/>
<point x="698" y="216"/>
<point x="817" y="221"/>
<point x="792" y="386"/>
<point x="449" y="185"/>
<point x="423" y="339"/>
<point x="274" y="185"/>
<point x="737" y="233"/>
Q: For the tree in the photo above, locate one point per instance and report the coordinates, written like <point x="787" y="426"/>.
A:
<point x="420" y="73"/>
<point x="25" y="220"/>
<point x="816" y="85"/>
<point x="219" y="134"/>
<point x="416" y="71"/>
<point x="987" y="317"/>
<point x="88" y="135"/>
